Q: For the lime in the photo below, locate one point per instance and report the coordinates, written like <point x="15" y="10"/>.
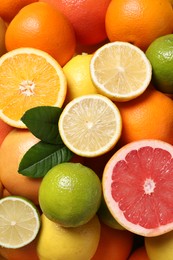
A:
<point x="106" y="217"/>
<point x="78" y="77"/>
<point x="160" y="55"/>
<point x="79" y="243"/>
<point x="70" y="194"/>
<point x="19" y="222"/>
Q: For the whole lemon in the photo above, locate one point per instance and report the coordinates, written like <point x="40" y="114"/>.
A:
<point x="160" y="247"/>
<point x="58" y="243"/>
<point x="77" y="72"/>
<point x="70" y="194"/>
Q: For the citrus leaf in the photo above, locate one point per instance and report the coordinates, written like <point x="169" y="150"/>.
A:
<point x="42" y="121"/>
<point x="41" y="157"/>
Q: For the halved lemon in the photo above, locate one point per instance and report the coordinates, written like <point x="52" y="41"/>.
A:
<point x="120" y="71"/>
<point x="19" y="222"/>
<point x="29" y="78"/>
<point x="90" y="125"/>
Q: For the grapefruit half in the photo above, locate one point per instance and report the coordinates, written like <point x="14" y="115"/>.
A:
<point x="138" y="187"/>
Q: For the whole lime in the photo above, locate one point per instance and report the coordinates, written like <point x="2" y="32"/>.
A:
<point x="70" y="194"/>
<point x="160" y="55"/>
<point x="106" y="217"/>
<point x="57" y="242"/>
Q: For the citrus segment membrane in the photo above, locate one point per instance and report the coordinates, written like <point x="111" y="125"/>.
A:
<point x="19" y="222"/>
<point x="90" y="125"/>
<point x="120" y="71"/>
<point x="29" y="78"/>
<point x="137" y="187"/>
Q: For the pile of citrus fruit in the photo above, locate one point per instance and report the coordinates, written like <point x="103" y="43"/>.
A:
<point x="86" y="130"/>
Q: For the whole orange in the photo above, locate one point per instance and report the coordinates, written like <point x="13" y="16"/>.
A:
<point x="139" y="253"/>
<point x="41" y="26"/>
<point x="114" y="244"/>
<point x="4" y="130"/>
<point x="138" y="21"/>
<point x="15" y="145"/>
<point x="146" y="117"/>
<point x="9" y="8"/>
<point x="27" y="252"/>
<point x="87" y="18"/>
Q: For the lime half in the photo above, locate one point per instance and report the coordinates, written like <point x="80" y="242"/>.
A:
<point x="19" y="222"/>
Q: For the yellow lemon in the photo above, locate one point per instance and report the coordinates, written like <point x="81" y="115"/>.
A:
<point x="78" y="77"/>
<point x="58" y="243"/>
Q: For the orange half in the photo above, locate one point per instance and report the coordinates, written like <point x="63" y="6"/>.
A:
<point x="29" y="78"/>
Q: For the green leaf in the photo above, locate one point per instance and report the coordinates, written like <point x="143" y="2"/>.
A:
<point x="41" y="157"/>
<point x="42" y="121"/>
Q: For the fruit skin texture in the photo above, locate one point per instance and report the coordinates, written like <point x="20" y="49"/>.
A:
<point x="70" y="194"/>
<point x="14" y="146"/>
<point x="3" y="29"/>
<point x="150" y="116"/>
<point x="160" y="247"/>
<point x="56" y="242"/>
<point x="9" y="8"/>
<point x="4" y="130"/>
<point x="114" y="244"/>
<point x="160" y="55"/>
<point x="138" y="21"/>
<point x="27" y="252"/>
<point x="78" y="77"/>
<point x="41" y="26"/>
<point x="87" y="18"/>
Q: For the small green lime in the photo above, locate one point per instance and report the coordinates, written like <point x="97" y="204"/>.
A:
<point x="106" y="217"/>
<point x="160" y="55"/>
<point x="70" y="194"/>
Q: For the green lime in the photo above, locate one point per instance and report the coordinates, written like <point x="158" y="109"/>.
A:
<point x="70" y="194"/>
<point x="160" y="55"/>
<point x="106" y="217"/>
<point x="78" y="243"/>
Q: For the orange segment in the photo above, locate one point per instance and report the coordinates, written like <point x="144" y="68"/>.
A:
<point x="29" y="78"/>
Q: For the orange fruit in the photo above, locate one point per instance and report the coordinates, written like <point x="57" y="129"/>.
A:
<point x="139" y="254"/>
<point x="4" y="130"/>
<point x="1" y="190"/>
<point x="3" y="28"/>
<point x="114" y="244"/>
<point x="12" y="150"/>
<point x="24" y="84"/>
<point x="5" y="193"/>
<point x="27" y="252"/>
<point x="138" y="21"/>
<point x="137" y="187"/>
<point x="87" y="18"/>
<point x="40" y="25"/>
<point x="9" y="8"/>
<point x="148" y="116"/>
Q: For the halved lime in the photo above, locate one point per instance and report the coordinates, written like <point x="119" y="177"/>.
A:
<point x="19" y="222"/>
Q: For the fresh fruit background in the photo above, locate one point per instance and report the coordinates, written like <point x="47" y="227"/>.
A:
<point x="111" y="197"/>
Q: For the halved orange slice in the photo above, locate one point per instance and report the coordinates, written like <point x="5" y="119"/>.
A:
<point x="29" y="78"/>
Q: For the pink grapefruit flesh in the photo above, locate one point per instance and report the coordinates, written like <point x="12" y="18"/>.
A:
<point x="138" y="187"/>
